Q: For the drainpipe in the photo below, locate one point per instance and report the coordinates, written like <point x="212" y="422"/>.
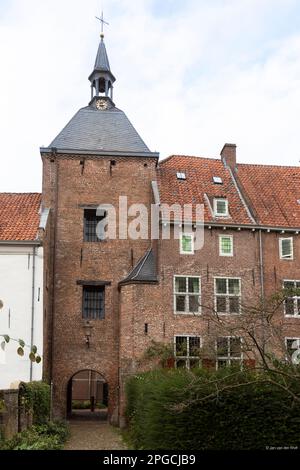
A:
<point x="262" y="287"/>
<point x="32" y="308"/>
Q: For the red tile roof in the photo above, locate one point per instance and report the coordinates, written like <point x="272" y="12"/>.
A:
<point x="273" y="193"/>
<point x="199" y="181"/>
<point x="270" y="192"/>
<point x="19" y="216"/>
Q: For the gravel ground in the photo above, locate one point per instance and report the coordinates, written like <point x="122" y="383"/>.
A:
<point x="94" y="435"/>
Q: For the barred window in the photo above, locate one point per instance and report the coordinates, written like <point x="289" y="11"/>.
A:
<point x="229" y="351"/>
<point x="93" y="303"/>
<point x="187" y="294"/>
<point x="292" y="302"/>
<point x="187" y="351"/>
<point x="227" y="295"/>
<point x="91" y="220"/>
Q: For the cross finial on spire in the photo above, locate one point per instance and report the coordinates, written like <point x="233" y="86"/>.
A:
<point x="103" y="22"/>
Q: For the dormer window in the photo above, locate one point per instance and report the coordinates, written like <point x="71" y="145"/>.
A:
<point x="220" y="207"/>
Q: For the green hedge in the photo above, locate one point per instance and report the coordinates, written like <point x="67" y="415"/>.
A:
<point x="37" y="398"/>
<point x="50" y="436"/>
<point x="165" y="411"/>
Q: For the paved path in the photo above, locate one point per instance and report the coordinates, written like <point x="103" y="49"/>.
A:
<point x="94" y="435"/>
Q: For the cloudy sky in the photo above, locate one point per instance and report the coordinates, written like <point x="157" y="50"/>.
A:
<point x="191" y="75"/>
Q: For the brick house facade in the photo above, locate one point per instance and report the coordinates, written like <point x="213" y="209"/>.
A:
<point x="137" y="286"/>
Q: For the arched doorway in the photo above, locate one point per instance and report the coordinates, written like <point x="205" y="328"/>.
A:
<point x="87" y="396"/>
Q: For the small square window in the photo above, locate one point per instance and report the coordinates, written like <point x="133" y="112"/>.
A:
<point x="186" y="244"/>
<point x="181" y="176"/>
<point x="286" y="248"/>
<point x="220" y="207"/>
<point x="226" y="245"/>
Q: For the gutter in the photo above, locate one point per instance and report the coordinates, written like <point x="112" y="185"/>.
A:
<point x="20" y="242"/>
<point x="261" y="264"/>
<point x="99" y="153"/>
<point x="262" y="288"/>
<point x="32" y="309"/>
<point x="232" y="225"/>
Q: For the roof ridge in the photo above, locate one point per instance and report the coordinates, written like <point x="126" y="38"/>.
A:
<point x="20" y="194"/>
<point x="190" y="156"/>
<point x="260" y="165"/>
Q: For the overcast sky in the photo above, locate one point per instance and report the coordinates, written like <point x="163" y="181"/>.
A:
<point x="191" y="75"/>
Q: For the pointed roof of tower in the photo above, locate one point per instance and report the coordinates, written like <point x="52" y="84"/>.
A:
<point x="95" y="131"/>
<point x="100" y="128"/>
<point x="102" y="62"/>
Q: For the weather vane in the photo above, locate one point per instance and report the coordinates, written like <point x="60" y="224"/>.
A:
<point x="103" y="22"/>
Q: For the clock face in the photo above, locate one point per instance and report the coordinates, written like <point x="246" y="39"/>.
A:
<point x="101" y="104"/>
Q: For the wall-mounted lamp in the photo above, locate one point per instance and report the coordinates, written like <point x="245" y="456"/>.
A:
<point x="88" y="333"/>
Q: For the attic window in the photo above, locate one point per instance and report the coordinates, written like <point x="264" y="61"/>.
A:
<point x="217" y="180"/>
<point x="220" y="207"/>
<point x="181" y="176"/>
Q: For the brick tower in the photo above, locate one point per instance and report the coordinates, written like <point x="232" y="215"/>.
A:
<point x="96" y="158"/>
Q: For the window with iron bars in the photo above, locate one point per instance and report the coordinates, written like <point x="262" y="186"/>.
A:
<point x="91" y="220"/>
<point x="93" y="303"/>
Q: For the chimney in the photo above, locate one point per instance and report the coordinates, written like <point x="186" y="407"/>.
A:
<point x="228" y="155"/>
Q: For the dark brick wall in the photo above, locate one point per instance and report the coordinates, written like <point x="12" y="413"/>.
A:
<point x="75" y="260"/>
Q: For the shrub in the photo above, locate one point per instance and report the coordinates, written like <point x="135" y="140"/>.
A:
<point x="37" y="399"/>
<point x="51" y="436"/>
<point x="181" y="410"/>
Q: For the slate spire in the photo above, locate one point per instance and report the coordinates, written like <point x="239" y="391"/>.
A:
<point x="101" y="78"/>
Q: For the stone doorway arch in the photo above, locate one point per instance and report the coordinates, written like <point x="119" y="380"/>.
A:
<point x="87" y="395"/>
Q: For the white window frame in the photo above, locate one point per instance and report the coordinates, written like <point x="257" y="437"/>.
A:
<point x="220" y="245"/>
<point x="216" y="214"/>
<point x="181" y="175"/>
<point x="228" y="358"/>
<point x="186" y="294"/>
<point x="293" y="339"/>
<point x="226" y="295"/>
<point x="2" y="356"/>
<point x="295" y="298"/>
<point x="292" y="248"/>
<point x="188" y="357"/>
<point x="182" y="252"/>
